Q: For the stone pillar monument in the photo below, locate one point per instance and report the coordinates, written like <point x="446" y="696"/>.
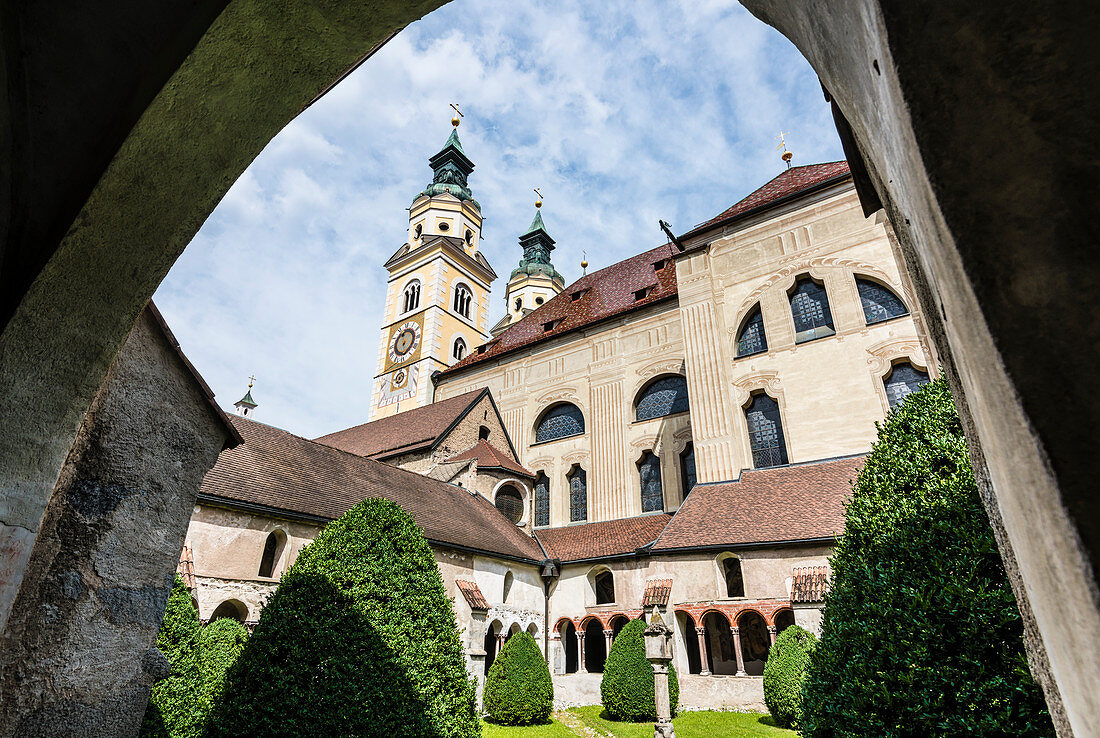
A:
<point x="658" y="650"/>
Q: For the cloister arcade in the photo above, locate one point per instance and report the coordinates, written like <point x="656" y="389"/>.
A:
<point x="497" y="634"/>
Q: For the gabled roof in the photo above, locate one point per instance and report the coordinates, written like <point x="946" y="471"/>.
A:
<point x="412" y="430"/>
<point x="277" y="472"/>
<point x="597" y="540"/>
<point x="604" y="294"/>
<point x="783" y="504"/>
<point x="490" y="457"/>
<point x="793" y="181"/>
<point x="656" y="592"/>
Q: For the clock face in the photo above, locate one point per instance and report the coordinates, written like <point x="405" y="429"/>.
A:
<point x="405" y="340"/>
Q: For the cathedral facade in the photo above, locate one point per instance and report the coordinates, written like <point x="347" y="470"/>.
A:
<point x="678" y="431"/>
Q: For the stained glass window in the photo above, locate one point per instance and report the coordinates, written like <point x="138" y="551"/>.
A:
<point x="765" y="432"/>
<point x="810" y="310"/>
<point x="904" y="380"/>
<point x="649" y="471"/>
<point x="510" y="503"/>
<point x="879" y="303"/>
<point x="752" y="340"/>
<point x="687" y="468"/>
<point x="578" y="495"/>
<point x="542" y="500"/>
<point x="605" y="588"/>
<point x="560" y="421"/>
<point x="666" y="396"/>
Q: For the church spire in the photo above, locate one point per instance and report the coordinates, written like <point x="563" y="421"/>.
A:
<point x="451" y="169"/>
<point x="537" y="245"/>
<point x="535" y="280"/>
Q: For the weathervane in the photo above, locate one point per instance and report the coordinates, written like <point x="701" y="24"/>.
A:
<point x="787" y="155"/>
<point x="458" y="114"/>
<point x="538" y="202"/>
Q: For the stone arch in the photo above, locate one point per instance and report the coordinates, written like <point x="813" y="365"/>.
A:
<point x="755" y="640"/>
<point x="595" y="645"/>
<point x="691" y="641"/>
<point x="275" y="545"/>
<point x="726" y="575"/>
<point x="568" y="633"/>
<point x="233" y="609"/>
<point x="558" y="421"/>
<point x="782" y="619"/>
<point x="598" y="585"/>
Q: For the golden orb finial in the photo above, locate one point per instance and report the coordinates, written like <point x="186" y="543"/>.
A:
<point x="584" y="262"/>
<point x="787" y="155"/>
<point x="458" y="114"/>
<point x="538" y="201"/>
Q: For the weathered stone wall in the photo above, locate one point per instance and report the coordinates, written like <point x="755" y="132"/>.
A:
<point x="78" y="656"/>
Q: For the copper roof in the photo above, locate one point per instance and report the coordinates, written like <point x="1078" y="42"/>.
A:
<point x="600" y="295"/>
<point x="790" y="182"/>
<point x="277" y="470"/>
<point x="781" y="504"/>
<point x="608" y="538"/>
<point x="810" y="583"/>
<point x="656" y="592"/>
<point x="490" y="457"/>
<point x="412" y="430"/>
<point x="472" y="594"/>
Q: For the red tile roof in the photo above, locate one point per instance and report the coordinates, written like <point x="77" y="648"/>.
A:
<point x="785" y="503"/>
<point x="810" y="583"/>
<point x="186" y="568"/>
<point x="472" y="594"/>
<point x="790" y="182"/>
<point x="656" y="592"/>
<point x="608" y="538"/>
<point x="604" y="294"/>
<point x="490" y="457"/>
<point x="412" y="430"/>
<point x="278" y="470"/>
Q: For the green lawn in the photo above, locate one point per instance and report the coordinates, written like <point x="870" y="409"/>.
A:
<point x="688" y="725"/>
<point x="553" y="730"/>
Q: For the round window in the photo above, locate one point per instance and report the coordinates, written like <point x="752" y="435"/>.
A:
<point x="510" y="503"/>
<point x="444" y="226"/>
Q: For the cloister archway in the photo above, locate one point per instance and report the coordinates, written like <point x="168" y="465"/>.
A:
<point x="98" y="216"/>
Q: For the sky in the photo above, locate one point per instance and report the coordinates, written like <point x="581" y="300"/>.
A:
<point x="620" y="112"/>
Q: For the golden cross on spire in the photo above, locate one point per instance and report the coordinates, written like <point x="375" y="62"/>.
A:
<point x="251" y="380"/>
<point x="458" y="114"/>
<point x="787" y="154"/>
<point x="538" y="202"/>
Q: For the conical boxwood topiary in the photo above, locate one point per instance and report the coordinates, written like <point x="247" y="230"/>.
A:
<point x="359" y="639"/>
<point x="920" y="631"/>
<point x="627" y="686"/>
<point x="784" y="674"/>
<point x="518" y="689"/>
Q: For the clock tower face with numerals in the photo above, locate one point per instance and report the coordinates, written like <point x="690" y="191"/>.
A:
<point x="405" y="342"/>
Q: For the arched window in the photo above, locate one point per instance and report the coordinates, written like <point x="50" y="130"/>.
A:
<point x="578" y="495"/>
<point x="459" y="350"/>
<point x="560" y="421"/>
<point x="810" y="310"/>
<point x="483" y="433"/>
<point x="751" y="339"/>
<point x="665" y="396"/>
<point x="412" y="296"/>
<point x="879" y="302"/>
<point x="463" y="298"/>
<point x="765" y="432"/>
<point x="542" y="499"/>
<point x="687" y="468"/>
<point x="731" y="573"/>
<point x="232" y="609"/>
<point x="273" y="549"/>
<point x="649" y="472"/>
<point x="903" y="380"/>
<point x="508" y="579"/>
<point x="418" y="231"/>
<point x="605" y="588"/>
<point x="509" y="501"/>
<point x="519" y="304"/>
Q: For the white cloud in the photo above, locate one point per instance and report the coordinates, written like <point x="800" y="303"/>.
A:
<point x="621" y="112"/>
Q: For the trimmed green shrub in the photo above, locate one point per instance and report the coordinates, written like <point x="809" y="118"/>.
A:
<point x="518" y="689"/>
<point x="920" y="633"/>
<point x="359" y="639"/>
<point x="180" y="704"/>
<point x="627" y="686"/>
<point x="784" y="674"/>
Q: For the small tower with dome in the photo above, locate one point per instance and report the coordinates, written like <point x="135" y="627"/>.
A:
<point x="535" y="280"/>
<point x="246" y="405"/>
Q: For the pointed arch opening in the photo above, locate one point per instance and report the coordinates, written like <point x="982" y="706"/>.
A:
<point x="542" y="499"/>
<point x="649" y="476"/>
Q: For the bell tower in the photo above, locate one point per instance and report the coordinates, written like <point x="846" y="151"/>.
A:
<point x="437" y="295"/>
<point x="535" y="280"/>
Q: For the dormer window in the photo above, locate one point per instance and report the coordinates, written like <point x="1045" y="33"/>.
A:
<point x="643" y="293"/>
<point x="574" y="296"/>
<point x="550" y="325"/>
<point x="660" y="264"/>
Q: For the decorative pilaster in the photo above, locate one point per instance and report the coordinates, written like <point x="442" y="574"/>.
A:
<point x="736" y="632"/>
<point x="704" y="662"/>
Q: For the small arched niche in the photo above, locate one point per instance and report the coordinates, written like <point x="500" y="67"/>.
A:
<point x="273" y="552"/>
